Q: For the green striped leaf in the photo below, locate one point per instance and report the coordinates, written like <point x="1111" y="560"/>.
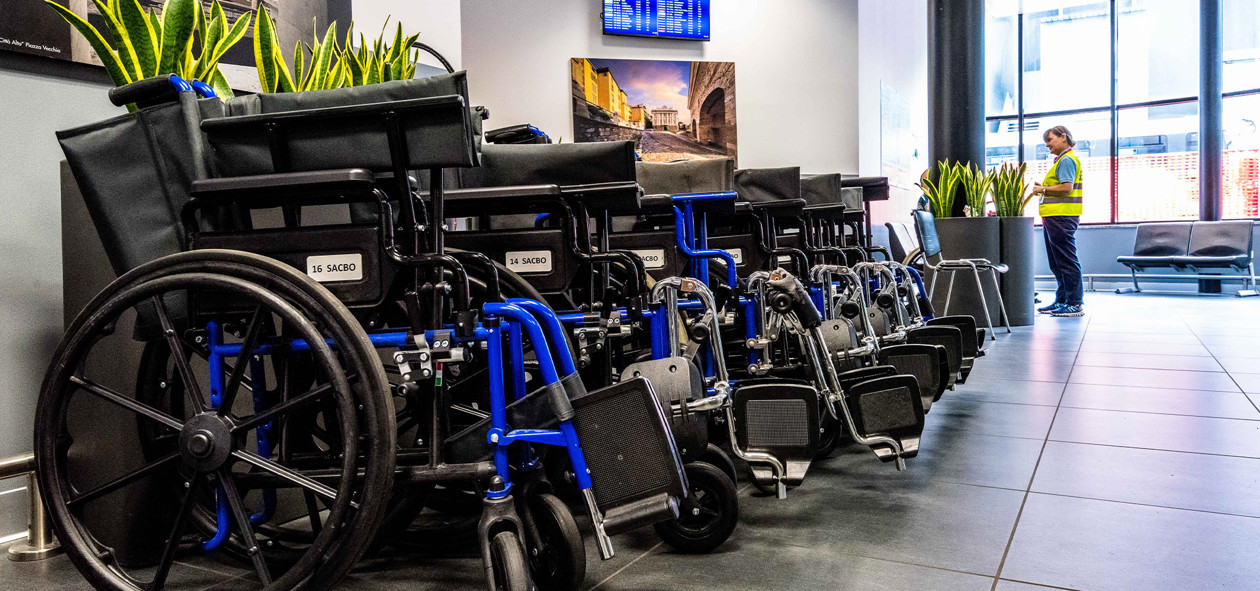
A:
<point x="199" y="18"/>
<point x="220" y="85"/>
<point x="122" y="46"/>
<point x="178" y="21"/>
<point x="214" y="33"/>
<point x="397" y="67"/>
<point x="112" y="64"/>
<point x="299" y="65"/>
<point x="264" y="51"/>
<point x="356" y="68"/>
<point x="397" y="47"/>
<point x="322" y="61"/>
<point x="144" y="41"/>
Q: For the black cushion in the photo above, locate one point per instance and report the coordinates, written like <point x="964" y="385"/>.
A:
<point x="1162" y="240"/>
<point x="768" y="184"/>
<point x="1145" y="261"/>
<point x="821" y="188"/>
<point x="1217" y="239"/>
<point x="1216" y="261"/>
<point x="687" y="176"/>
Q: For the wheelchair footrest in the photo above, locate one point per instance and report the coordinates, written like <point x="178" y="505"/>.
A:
<point x="966" y="326"/>
<point x="781" y="420"/>
<point x="890" y="406"/>
<point x="949" y="337"/>
<point x="927" y="363"/>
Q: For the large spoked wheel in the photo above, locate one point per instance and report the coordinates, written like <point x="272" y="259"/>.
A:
<point x="708" y="517"/>
<point x="558" y="557"/>
<point x="511" y="573"/>
<point x="300" y="466"/>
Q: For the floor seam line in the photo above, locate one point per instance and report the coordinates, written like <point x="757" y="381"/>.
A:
<point x="997" y="577"/>
<point x="1153" y="506"/>
<point x="1179" y="451"/>
<point x="1168" y="414"/>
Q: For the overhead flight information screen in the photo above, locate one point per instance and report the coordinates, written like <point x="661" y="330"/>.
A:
<point x="671" y="19"/>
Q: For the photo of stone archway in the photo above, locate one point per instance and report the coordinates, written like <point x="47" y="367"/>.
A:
<point x="671" y="110"/>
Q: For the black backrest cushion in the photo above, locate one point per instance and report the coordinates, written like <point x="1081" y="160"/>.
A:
<point x="1162" y="240"/>
<point x="1217" y="239"/>
<point x="821" y="189"/>
<point x="505" y="165"/>
<point x="768" y="184"/>
<point x="686" y="176"/>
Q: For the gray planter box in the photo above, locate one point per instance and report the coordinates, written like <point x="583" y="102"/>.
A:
<point x="968" y="238"/>
<point x="1017" y="240"/>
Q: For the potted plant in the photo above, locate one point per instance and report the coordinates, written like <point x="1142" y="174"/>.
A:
<point x="1010" y="197"/>
<point x="974" y="236"/>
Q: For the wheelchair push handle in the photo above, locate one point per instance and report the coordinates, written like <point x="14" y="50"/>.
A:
<point x="157" y="90"/>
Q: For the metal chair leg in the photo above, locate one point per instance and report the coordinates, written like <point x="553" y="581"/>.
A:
<point x="984" y="303"/>
<point x="1006" y="319"/>
<point x="932" y="288"/>
<point x="949" y="293"/>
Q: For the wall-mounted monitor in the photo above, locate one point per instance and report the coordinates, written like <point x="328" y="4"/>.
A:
<point x="666" y="19"/>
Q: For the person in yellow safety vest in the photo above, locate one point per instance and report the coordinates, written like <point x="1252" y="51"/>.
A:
<point x="1060" y="209"/>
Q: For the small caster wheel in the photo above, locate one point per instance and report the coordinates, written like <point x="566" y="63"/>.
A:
<point x="560" y="563"/>
<point x="708" y="517"/>
<point x="510" y="570"/>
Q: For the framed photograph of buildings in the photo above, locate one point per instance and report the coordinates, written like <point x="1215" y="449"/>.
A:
<point x="671" y="110"/>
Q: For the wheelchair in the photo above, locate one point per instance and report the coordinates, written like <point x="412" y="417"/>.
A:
<point x="382" y="376"/>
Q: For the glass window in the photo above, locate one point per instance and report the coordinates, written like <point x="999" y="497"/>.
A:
<point x="1157" y="50"/>
<point x="1092" y="133"/>
<point x="1001" y="57"/>
<point x="1158" y="163"/>
<point x="1241" y="44"/>
<point x="1066" y="48"/>
<point x="1241" y="160"/>
<point x="1001" y="142"/>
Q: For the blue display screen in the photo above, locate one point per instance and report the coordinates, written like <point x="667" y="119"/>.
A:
<point x="673" y="19"/>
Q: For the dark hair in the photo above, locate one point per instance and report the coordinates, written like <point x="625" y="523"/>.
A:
<point x="1060" y="131"/>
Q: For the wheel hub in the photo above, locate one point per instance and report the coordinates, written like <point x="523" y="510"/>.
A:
<point x="205" y="443"/>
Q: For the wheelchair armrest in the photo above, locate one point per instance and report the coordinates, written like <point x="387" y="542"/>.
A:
<point x="301" y="188"/>
<point x="621" y="197"/>
<point x="656" y="205"/>
<point x="491" y="194"/>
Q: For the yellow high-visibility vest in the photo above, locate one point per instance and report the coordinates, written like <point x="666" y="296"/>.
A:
<point x="1070" y="204"/>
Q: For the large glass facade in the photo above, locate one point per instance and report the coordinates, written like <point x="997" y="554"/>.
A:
<point x="1069" y="76"/>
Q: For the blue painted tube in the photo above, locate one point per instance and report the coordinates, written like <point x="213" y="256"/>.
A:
<point x="657" y="327"/>
<point x="576" y="457"/>
<point x="215" y="361"/>
<point x="381" y="340"/>
<point x="516" y="352"/>
<point x="718" y="196"/>
<point x="258" y="380"/>
<point x="180" y="84"/>
<point x="498" y="405"/>
<point x="534" y="331"/>
<point x="680" y="238"/>
<point x="750" y="328"/>
<point x="554" y="329"/>
<point x="203" y="90"/>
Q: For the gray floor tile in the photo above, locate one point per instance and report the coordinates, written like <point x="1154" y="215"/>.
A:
<point x="1143" y="327"/>
<point x="991" y="418"/>
<point x="1164" y="478"/>
<point x="1153" y="378"/>
<point x="1100" y="545"/>
<point x="1240" y="364"/>
<point x="1151" y="431"/>
<point x="1249" y="382"/>
<point x="1235" y="350"/>
<point x="785" y="567"/>
<point x="1132" y="337"/>
<point x="1230" y="405"/>
<point x="937" y="524"/>
<point x="1229" y="341"/>
<point x="1139" y="361"/>
<point x="1034" y="368"/>
<point x="1144" y="347"/>
<point x="1005" y="585"/>
<point x="1010" y="391"/>
<point x="58" y="574"/>
<point x="945" y="456"/>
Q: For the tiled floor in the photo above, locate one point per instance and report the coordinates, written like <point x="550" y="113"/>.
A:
<point x="1116" y="451"/>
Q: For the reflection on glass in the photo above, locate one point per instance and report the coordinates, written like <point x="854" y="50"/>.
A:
<point x="1241" y="159"/>
<point x="1092" y="132"/>
<point x="1067" y="44"/>
<point x="1159" y="163"/>
<point x="1157" y="47"/>
<point x="1001" y="56"/>
<point x="1241" y="42"/>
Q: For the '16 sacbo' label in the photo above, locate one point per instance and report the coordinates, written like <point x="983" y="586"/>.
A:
<point x="335" y="267"/>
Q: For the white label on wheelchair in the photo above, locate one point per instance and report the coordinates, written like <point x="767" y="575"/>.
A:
<point x="737" y="254"/>
<point x="784" y="259"/>
<point x="653" y="258"/>
<point x="528" y="261"/>
<point x="335" y="267"/>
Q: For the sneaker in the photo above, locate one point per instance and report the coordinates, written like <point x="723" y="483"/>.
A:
<point x="1049" y="309"/>
<point x="1068" y="311"/>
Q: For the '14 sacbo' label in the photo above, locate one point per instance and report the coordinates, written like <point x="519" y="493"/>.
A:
<point x="528" y="261"/>
<point x="653" y="258"/>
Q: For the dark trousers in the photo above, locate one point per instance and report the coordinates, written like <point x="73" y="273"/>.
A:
<point x="1060" y="234"/>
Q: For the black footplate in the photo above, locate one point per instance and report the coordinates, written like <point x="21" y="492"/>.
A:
<point x="970" y="349"/>
<point x="779" y="419"/>
<point x="929" y="364"/>
<point x="891" y="406"/>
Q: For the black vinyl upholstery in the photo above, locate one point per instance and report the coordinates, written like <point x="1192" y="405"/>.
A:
<point x="1157" y="244"/>
<point x="1191" y="244"/>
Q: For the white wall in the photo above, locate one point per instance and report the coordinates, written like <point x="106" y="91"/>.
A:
<point x="437" y="21"/>
<point x="796" y="68"/>
<point x="892" y="49"/>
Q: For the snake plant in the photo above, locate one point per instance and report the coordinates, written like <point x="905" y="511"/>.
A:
<point x="941" y="192"/>
<point x="137" y="44"/>
<point x="976" y="183"/>
<point x="1009" y="188"/>
<point x="331" y="65"/>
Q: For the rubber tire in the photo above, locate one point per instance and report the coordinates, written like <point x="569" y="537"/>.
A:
<point x="718" y="457"/>
<point x="560" y="533"/>
<point x="510" y="569"/>
<point x="710" y="479"/>
<point x="829" y="438"/>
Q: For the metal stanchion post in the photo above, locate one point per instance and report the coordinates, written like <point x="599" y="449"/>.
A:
<point x="40" y="543"/>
